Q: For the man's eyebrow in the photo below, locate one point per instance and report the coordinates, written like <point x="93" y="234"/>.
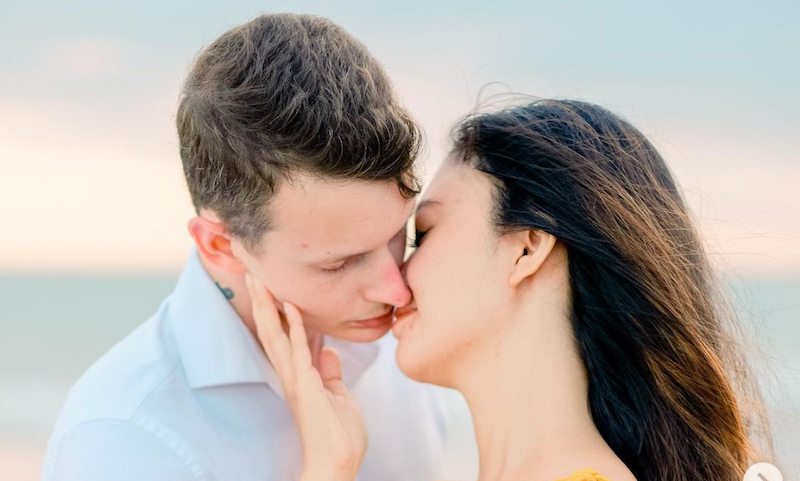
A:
<point x="338" y="258"/>
<point x="427" y="203"/>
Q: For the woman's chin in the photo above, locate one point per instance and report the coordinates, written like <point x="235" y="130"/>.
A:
<point x="410" y="361"/>
<point x="420" y="362"/>
<point x="414" y="362"/>
<point x="410" y="365"/>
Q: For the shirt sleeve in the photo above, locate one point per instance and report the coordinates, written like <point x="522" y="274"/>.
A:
<point x="115" y="450"/>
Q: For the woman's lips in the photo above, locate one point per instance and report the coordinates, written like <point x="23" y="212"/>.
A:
<point x="376" y="321"/>
<point x="403" y="312"/>
<point x="401" y="315"/>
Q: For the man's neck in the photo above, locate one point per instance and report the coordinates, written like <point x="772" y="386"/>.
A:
<point x="234" y="289"/>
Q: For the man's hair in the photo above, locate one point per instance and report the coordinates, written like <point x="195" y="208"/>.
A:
<point x="286" y="94"/>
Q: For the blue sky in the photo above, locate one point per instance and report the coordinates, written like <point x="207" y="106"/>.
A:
<point x="88" y="92"/>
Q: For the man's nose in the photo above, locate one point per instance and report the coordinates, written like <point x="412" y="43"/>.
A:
<point x="391" y="287"/>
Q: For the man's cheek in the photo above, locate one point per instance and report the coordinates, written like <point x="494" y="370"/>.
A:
<point x="315" y="303"/>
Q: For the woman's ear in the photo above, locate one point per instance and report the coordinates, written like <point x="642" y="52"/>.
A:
<point x="532" y="250"/>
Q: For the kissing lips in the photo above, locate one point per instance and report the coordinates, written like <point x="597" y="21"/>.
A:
<point x="402" y="316"/>
<point x="381" y="321"/>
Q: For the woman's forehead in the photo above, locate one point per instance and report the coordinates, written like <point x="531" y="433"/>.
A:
<point x="454" y="183"/>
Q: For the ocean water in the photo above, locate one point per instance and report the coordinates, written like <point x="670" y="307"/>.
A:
<point x="53" y="328"/>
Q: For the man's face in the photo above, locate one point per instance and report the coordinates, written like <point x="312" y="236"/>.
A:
<point x="335" y="251"/>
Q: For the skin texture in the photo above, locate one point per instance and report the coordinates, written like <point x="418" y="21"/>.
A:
<point x="315" y="222"/>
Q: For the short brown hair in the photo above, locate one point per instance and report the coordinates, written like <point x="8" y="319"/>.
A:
<point x="287" y="93"/>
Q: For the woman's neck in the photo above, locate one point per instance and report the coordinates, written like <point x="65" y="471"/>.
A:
<point x="528" y="400"/>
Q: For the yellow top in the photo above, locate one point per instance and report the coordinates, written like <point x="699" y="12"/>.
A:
<point x="585" y="475"/>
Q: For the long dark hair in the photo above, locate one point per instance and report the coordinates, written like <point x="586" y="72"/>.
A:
<point x="669" y="389"/>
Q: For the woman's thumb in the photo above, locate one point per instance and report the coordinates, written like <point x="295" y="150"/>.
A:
<point x="330" y="370"/>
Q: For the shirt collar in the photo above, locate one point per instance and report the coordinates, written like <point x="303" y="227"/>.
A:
<point x="216" y="347"/>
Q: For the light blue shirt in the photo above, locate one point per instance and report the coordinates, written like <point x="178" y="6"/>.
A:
<point x="190" y="395"/>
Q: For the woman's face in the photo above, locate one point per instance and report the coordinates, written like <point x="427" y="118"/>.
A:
<point x="458" y="277"/>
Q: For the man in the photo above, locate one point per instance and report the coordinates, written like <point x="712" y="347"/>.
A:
<point x="299" y="162"/>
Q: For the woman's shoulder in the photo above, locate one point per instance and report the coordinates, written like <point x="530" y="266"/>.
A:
<point x="585" y="475"/>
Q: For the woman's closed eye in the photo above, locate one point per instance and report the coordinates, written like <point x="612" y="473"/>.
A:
<point x="417" y="240"/>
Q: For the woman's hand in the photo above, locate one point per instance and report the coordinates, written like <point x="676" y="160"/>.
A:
<point x="331" y="428"/>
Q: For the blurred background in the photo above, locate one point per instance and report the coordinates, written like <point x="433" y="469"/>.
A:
<point x="94" y="205"/>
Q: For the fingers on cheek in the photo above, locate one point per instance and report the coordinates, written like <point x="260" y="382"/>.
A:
<point x="257" y="299"/>
<point x="292" y="314"/>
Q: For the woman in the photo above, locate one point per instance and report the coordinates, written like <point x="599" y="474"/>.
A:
<point x="560" y="286"/>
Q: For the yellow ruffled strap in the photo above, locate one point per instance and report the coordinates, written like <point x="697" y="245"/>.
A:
<point x="585" y="475"/>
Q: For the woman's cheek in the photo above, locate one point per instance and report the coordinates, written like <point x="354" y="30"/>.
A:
<point x="411" y="269"/>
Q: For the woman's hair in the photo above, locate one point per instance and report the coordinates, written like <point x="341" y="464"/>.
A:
<point x="669" y="388"/>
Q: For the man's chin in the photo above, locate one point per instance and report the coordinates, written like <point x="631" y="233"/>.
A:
<point x="361" y="334"/>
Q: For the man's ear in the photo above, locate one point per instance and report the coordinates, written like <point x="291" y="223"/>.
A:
<point x="214" y="241"/>
<point x="533" y="248"/>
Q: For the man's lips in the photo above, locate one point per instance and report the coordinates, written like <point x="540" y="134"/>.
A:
<point x="376" y="321"/>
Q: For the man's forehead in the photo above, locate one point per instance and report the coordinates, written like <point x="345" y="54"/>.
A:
<point x="334" y="214"/>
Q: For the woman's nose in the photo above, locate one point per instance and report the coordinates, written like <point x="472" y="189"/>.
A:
<point x="404" y="269"/>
